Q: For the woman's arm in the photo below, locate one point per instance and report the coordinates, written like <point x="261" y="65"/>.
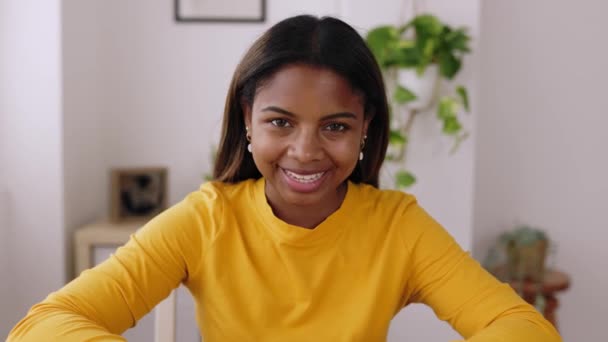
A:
<point x="105" y="301"/>
<point x="461" y="292"/>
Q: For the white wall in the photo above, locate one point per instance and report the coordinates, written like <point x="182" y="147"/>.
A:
<point x="30" y="107"/>
<point x="5" y="290"/>
<point x="86" y="178"/>
<point x="541" y="142"/>
<point x="4" y="270"/>
<point x="4" y="219"/>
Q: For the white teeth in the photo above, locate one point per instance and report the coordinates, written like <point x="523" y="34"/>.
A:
<point x="304" y="178"/>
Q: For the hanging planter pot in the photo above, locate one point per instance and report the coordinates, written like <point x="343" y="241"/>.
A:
<point x="422" y="85"/>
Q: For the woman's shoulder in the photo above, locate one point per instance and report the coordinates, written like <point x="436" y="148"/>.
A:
<point x="205" y="208"/>
<point x="216" y="192"/>
<point x="372" y="195"/>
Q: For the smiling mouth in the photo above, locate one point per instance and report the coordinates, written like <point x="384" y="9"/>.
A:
<point x="304" y="179"/>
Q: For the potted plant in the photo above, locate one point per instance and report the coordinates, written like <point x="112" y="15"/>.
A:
<point x="526" y="251"/>
<point x="416" y="59"/>
<point x="519" y="257"/>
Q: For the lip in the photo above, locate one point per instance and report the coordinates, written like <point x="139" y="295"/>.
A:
<point x="302" y="171"/>
<point x="299" y="187"/>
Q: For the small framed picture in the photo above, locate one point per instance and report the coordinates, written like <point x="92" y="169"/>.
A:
<point x="138" y="193"/>
<point x="220" y="10"/>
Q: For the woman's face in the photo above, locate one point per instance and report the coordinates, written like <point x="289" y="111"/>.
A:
<point x="306" y="126"/>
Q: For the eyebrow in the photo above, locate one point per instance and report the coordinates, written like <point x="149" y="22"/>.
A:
<point x="279" y="110"/>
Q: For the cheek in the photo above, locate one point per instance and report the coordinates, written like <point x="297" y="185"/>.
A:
<point x="344" y="151"/>
<point x="267" y="149"/>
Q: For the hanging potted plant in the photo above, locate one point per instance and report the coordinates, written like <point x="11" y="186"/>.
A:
<point x="416" y="59"/>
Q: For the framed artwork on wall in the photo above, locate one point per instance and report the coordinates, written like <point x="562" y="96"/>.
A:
<point x="220" y="10"/>
<point x="138" y="193"/>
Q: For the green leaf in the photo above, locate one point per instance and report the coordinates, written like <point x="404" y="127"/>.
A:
<point x="421" y="68"/>
<point x="428" y="49"/>
<point x="458" y="140"/>
<point x="405" y="57"/>
<point x="427" y="24"/>
<point x="403" y="95"/>
<point x="406" y="44"/>
<point x="464" y="97"/>
<point x="404" y="179"/>
<point x="382" y="41"/>
<point x="449" y="65"/>
<point x="396" y="138"/>
<point x="451" y="125"/>
<point x="446" y="112"/>
<point x="447" y="108"/>
<point x="458" y="40"/>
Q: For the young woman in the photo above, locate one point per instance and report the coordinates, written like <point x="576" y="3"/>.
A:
<point x="293" y="240"/>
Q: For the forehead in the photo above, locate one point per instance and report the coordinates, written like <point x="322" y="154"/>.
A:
<point x="309" y="87"/>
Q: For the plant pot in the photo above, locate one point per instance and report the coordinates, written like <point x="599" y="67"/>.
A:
<point x="421" y="85"/>
<point x="526" y="262"/>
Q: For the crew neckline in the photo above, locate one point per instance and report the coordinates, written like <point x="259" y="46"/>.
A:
<point x="297" y="235"/>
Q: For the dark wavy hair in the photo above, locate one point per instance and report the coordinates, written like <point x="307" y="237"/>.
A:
<point x="320" y="42"/>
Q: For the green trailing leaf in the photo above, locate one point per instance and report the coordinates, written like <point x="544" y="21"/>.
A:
<point x="449" y="65"/>
<point x="403" y="95"/>
<point x="405" y="57"/>
<point x="428" y="49"/>
<point x="426" y="46"/>
<point x="464" y="97"/>
<point x="427" y="24"/>
<point x="458" y="140"/>
<point x="458" y="40"/>
<point x="446" y="112"/>
<point x="382" y="41"/>
<point x="404" y="179"/>
<point x="397" y="138"/>
<point x="451" y="126"/>
<point x="421" y="68"/>
<point x="447" y="108"/>
<point x="406" y="44"/>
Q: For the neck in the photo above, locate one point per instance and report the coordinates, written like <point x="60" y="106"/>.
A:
<point x="308" y="216"/>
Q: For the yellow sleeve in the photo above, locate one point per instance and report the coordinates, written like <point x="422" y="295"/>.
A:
<point x="105" y="301"/>
<point x="461" y="292"/>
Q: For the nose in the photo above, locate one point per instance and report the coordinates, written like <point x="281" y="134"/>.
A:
<point x="306" y="146"/>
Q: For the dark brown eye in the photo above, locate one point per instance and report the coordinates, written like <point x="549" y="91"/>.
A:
<point x="336" y="127"/>
<point x="280" y="123"/>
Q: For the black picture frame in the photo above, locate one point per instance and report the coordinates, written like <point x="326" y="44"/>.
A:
<point x="138" y="194"/>
<point x="180" y="17"/>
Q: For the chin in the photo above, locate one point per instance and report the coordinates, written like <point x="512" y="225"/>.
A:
<point x="302" y="199"/>
<point x="326" y="193"/>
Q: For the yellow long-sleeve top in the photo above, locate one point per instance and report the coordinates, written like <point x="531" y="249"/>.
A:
<point x="256" y="278"/>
